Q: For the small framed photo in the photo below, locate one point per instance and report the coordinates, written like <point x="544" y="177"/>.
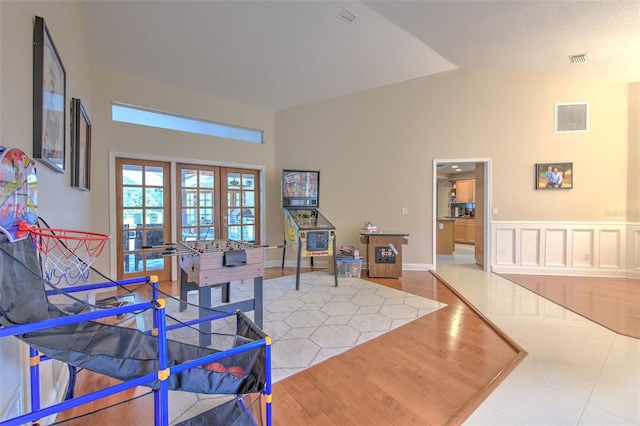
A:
<point x="49" y="100"/>
<point x="80" y="146"/>
<point x="554" y="176"/>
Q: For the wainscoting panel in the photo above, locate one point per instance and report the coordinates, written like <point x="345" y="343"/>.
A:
<point x="610" y="246"/>
<point x="633" y="255"/>
<point x="505" y="246"/>
<point x="530" y="247"/>
<point x="555" y="247"/>
<point x="582" y="250"/>
<point x="564" y="248"/>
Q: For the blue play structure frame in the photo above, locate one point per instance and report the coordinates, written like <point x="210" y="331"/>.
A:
<point x="160" y="328"/>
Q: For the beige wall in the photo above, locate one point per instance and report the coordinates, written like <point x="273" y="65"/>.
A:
<point x="59" y="204"/>
<point x="135" y="141"/>
<point x="633" y="160"/>
<point x="375" y="149"/>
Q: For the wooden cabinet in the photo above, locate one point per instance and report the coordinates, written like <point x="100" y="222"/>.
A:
<point x="465" y="231"/>
<point x="466" y="191"/>
<point x="444" y="237"/>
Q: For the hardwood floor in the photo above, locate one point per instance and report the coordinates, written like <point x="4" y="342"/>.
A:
<point x="613" y="303"/>
<point x="433" y="371"/>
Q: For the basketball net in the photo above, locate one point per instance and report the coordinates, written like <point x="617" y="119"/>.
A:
<point x="67" y="254"/>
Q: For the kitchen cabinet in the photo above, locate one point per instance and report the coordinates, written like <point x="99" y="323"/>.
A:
<point x="464" y="231"/>
<point x="466" y="191"/>
<point x="444" y="236"/>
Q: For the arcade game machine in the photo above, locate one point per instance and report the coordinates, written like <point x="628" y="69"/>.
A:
<point x="305" y="228"/>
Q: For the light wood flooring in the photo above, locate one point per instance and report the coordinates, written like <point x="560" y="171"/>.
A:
<point x="435" y="370"/>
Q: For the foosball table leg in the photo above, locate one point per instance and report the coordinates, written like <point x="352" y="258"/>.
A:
<point x="226" y="293"/>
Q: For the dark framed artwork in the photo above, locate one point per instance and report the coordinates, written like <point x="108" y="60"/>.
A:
<point x="554" y="176"/>
<point x="80" y="146"/>
<point x="49" y="104"/>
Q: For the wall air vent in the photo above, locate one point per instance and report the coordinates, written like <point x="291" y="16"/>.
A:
<point x="347" y="16"/>
<point x="572" y="117"/>
<point x="576" y="59"/>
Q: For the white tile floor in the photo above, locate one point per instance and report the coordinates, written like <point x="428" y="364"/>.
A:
<point x="577" y="372"/>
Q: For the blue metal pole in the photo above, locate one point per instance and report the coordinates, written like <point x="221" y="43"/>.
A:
<point x="267" y="386"/>
<point x="34" y="374"/>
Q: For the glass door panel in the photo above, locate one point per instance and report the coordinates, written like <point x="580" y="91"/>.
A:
<point x="241" y="205"/>
<point x="143" y="220"/>
<point x="197" y="195"/>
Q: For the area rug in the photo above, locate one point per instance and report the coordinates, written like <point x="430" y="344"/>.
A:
<point x="315" y="323"/>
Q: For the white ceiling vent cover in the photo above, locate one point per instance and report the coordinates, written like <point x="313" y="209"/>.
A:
<point x="347" y="16"/>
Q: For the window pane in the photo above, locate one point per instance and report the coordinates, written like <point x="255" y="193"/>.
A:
<point x="248" y="182"/>
<point x="189" y="197"/>
<point x="133" y="262"/>
<point x="206" y="198"/>
<point x="155" y="238"/>
<point x="155" y="261"/>
<point x="154" y="217"/>
<point x="206" y="179"/>
<point x="132" y="218"/>
<point x="154" y="197"/>
<point x="131" y="197"/>
<point x="154" y="176"/>
<point x="189" y="217"/>
<point x="131" y="175"/>
<point x="248" y="215"/>
<point x="235" y="233"/>
<point x="248" y="199"/>
<point x="207" y="233"/>
<point x="206" y="217"/>
<point x="163" y="120"/>
<point x="248" y="233"/>
<point x="188" y="178"/>
<point x="132" y="240"/>
<point x="233" y="180"/>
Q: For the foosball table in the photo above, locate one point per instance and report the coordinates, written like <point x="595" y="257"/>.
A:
<point x="211" y="263"/>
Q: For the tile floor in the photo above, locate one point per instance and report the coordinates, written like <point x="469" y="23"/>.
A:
<point x="577" y="372"/>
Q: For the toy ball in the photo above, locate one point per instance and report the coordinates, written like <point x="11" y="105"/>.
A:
<point x="236" y="371"/>
<point x="215" y="366"/>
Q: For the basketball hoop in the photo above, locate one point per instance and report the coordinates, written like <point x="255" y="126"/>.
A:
<point x="67" y="254"/>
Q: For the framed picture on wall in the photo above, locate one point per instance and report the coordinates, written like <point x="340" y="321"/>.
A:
<point x="80" y="146"/>
<point x="554" y="175"/>
<point x="49" y="104"/>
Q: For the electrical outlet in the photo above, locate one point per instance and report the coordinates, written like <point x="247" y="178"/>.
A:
<point x="405" y="210"/>
<point x="586" y="256"/>
<point x="494" y="211"/>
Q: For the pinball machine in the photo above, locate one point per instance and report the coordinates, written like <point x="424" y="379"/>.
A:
<point x="306" y="230"/>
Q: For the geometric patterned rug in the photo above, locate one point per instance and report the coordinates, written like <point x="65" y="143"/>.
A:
<point x="315" y="323"/>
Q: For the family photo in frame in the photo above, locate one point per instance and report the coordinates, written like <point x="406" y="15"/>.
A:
<point x="554" y="175"/>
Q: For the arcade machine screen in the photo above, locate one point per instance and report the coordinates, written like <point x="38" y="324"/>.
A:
<point x="300" y="188"/>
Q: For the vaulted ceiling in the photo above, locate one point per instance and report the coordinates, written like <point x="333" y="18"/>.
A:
<point x="279" y="54"/>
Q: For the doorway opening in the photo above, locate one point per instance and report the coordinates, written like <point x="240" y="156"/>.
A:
<point x="461" y="195"/>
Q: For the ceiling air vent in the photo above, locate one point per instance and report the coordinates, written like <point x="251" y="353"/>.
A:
<point x="347" y="16"/>
<point x="576" y="59"/>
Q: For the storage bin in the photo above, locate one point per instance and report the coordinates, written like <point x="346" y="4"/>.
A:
<point x="349" y="268"/>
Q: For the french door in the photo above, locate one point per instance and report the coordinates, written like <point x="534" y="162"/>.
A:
<point x="218" y="203"/>
<point x="143" y="218"/>
<point x="212" y="203"/>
